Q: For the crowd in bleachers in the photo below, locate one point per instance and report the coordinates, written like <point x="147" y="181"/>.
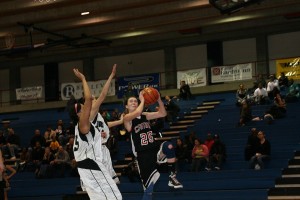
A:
<point x="51" y="155"/>
<point x="273" y="92"/>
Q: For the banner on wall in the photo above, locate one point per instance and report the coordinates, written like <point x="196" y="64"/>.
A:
<point x="290" y="67"/>
<point x="29" y="93"/>
<point x="231" y="73"/>
<point x="194" y="77"/>
<point x="138" y="83"/>
<point x="76" y="89"/>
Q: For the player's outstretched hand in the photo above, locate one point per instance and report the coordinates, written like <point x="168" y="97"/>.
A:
<point x="78" y="74"/>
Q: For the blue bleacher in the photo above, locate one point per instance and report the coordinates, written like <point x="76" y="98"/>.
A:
<point x="234" y="181"/>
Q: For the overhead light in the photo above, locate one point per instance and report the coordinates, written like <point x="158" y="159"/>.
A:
<point x="231" y="6"/>
<point x="85" y="13"/>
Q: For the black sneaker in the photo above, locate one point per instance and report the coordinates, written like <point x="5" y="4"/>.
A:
<point x="173" y="182"/>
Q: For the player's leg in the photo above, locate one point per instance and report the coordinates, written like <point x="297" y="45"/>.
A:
<point x="99" y="184"/>
<point x="168" y="150"/>
<point x="147" y="167"/>
<point x="107" y="162"/>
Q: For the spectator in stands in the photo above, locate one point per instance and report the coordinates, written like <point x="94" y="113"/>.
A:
<point x="293" y="93"/>
<point x="189" y="141"/>
<point x="45" y="170"/>
<point x="283" y="81"/>
<point x="51" y="131"/>
<point x="54" y="144"/>
<point x="184" y="91"/>
<point x="278" y="109"/>
<point x="37" y="156"/>
<point x="130" y="92"/>
<point x="6" y="127"/>
<point x="69" y="149"/>
<point x="252" y="142"/>
<point x="181" y="153"/>
<point x="172" y="109"/>
<point x="241" y="94"/>
<point x="273" y="82"/>
<point x="61" y="134"/>
<point x="47" y="137"/>
<point x="115" y="130"/>
<point x="70" y="130"/>
<point x="217" y="154"/>
<point x="37" y="137"/>
<point x="209" y="141"/>
<point x="157" y="124"/>
<point x="278" y="100"/>
<point x="106" y="115"/>
<point x="60" y="122"/>
<point x="61" y="162"/>
<point x="260" y="95"/>
<point x="25" y="159"/>
<point x="260" y="79"/>
<point x="262" y="152"/>
<point x="200" y="155"/>
<point x="246" y="114"/>
<point x="13" y="143"/>
<point x="2" y="139"/>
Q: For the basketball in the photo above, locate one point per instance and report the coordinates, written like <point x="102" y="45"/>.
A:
<point x="151" y="95"/>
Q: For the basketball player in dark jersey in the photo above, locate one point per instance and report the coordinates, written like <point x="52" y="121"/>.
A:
<point x="147" y="150"/>
<point x="87" y="149"/>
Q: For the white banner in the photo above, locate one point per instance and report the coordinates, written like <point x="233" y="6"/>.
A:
<point x="75" y="89"/>
<point x="29" y="93"/>
<point x="231" y="73"/>
<point x="194" y="77"/>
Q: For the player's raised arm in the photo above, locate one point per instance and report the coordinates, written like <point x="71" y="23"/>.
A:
<point x="158" y="114"/>
<point x="98" y="101"/>
<point x="116" y="122"/>
<point x="133" y="109"/>
<point x="84" y="113"/>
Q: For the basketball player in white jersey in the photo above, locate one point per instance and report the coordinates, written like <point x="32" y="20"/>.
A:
<point x="104" y="126"/>
<point x="87" y="149"/>
<point x="105" y="151"/>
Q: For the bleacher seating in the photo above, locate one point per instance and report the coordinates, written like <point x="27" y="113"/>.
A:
<point x="234" y="182"/>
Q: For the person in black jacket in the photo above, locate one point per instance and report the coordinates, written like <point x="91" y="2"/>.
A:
<point x="252" y="142"/>
<point x="262" y="152"/>
<point x="172" y="109"/>
<point x="217" y="154"/>
<point x="12" y="143"/>
<point x="184" y="91"/>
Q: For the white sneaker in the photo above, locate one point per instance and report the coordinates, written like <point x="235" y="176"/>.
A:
<point x="207" y="168"/>
<point x="257" y="167"/>
<point x="173" y="182"/>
